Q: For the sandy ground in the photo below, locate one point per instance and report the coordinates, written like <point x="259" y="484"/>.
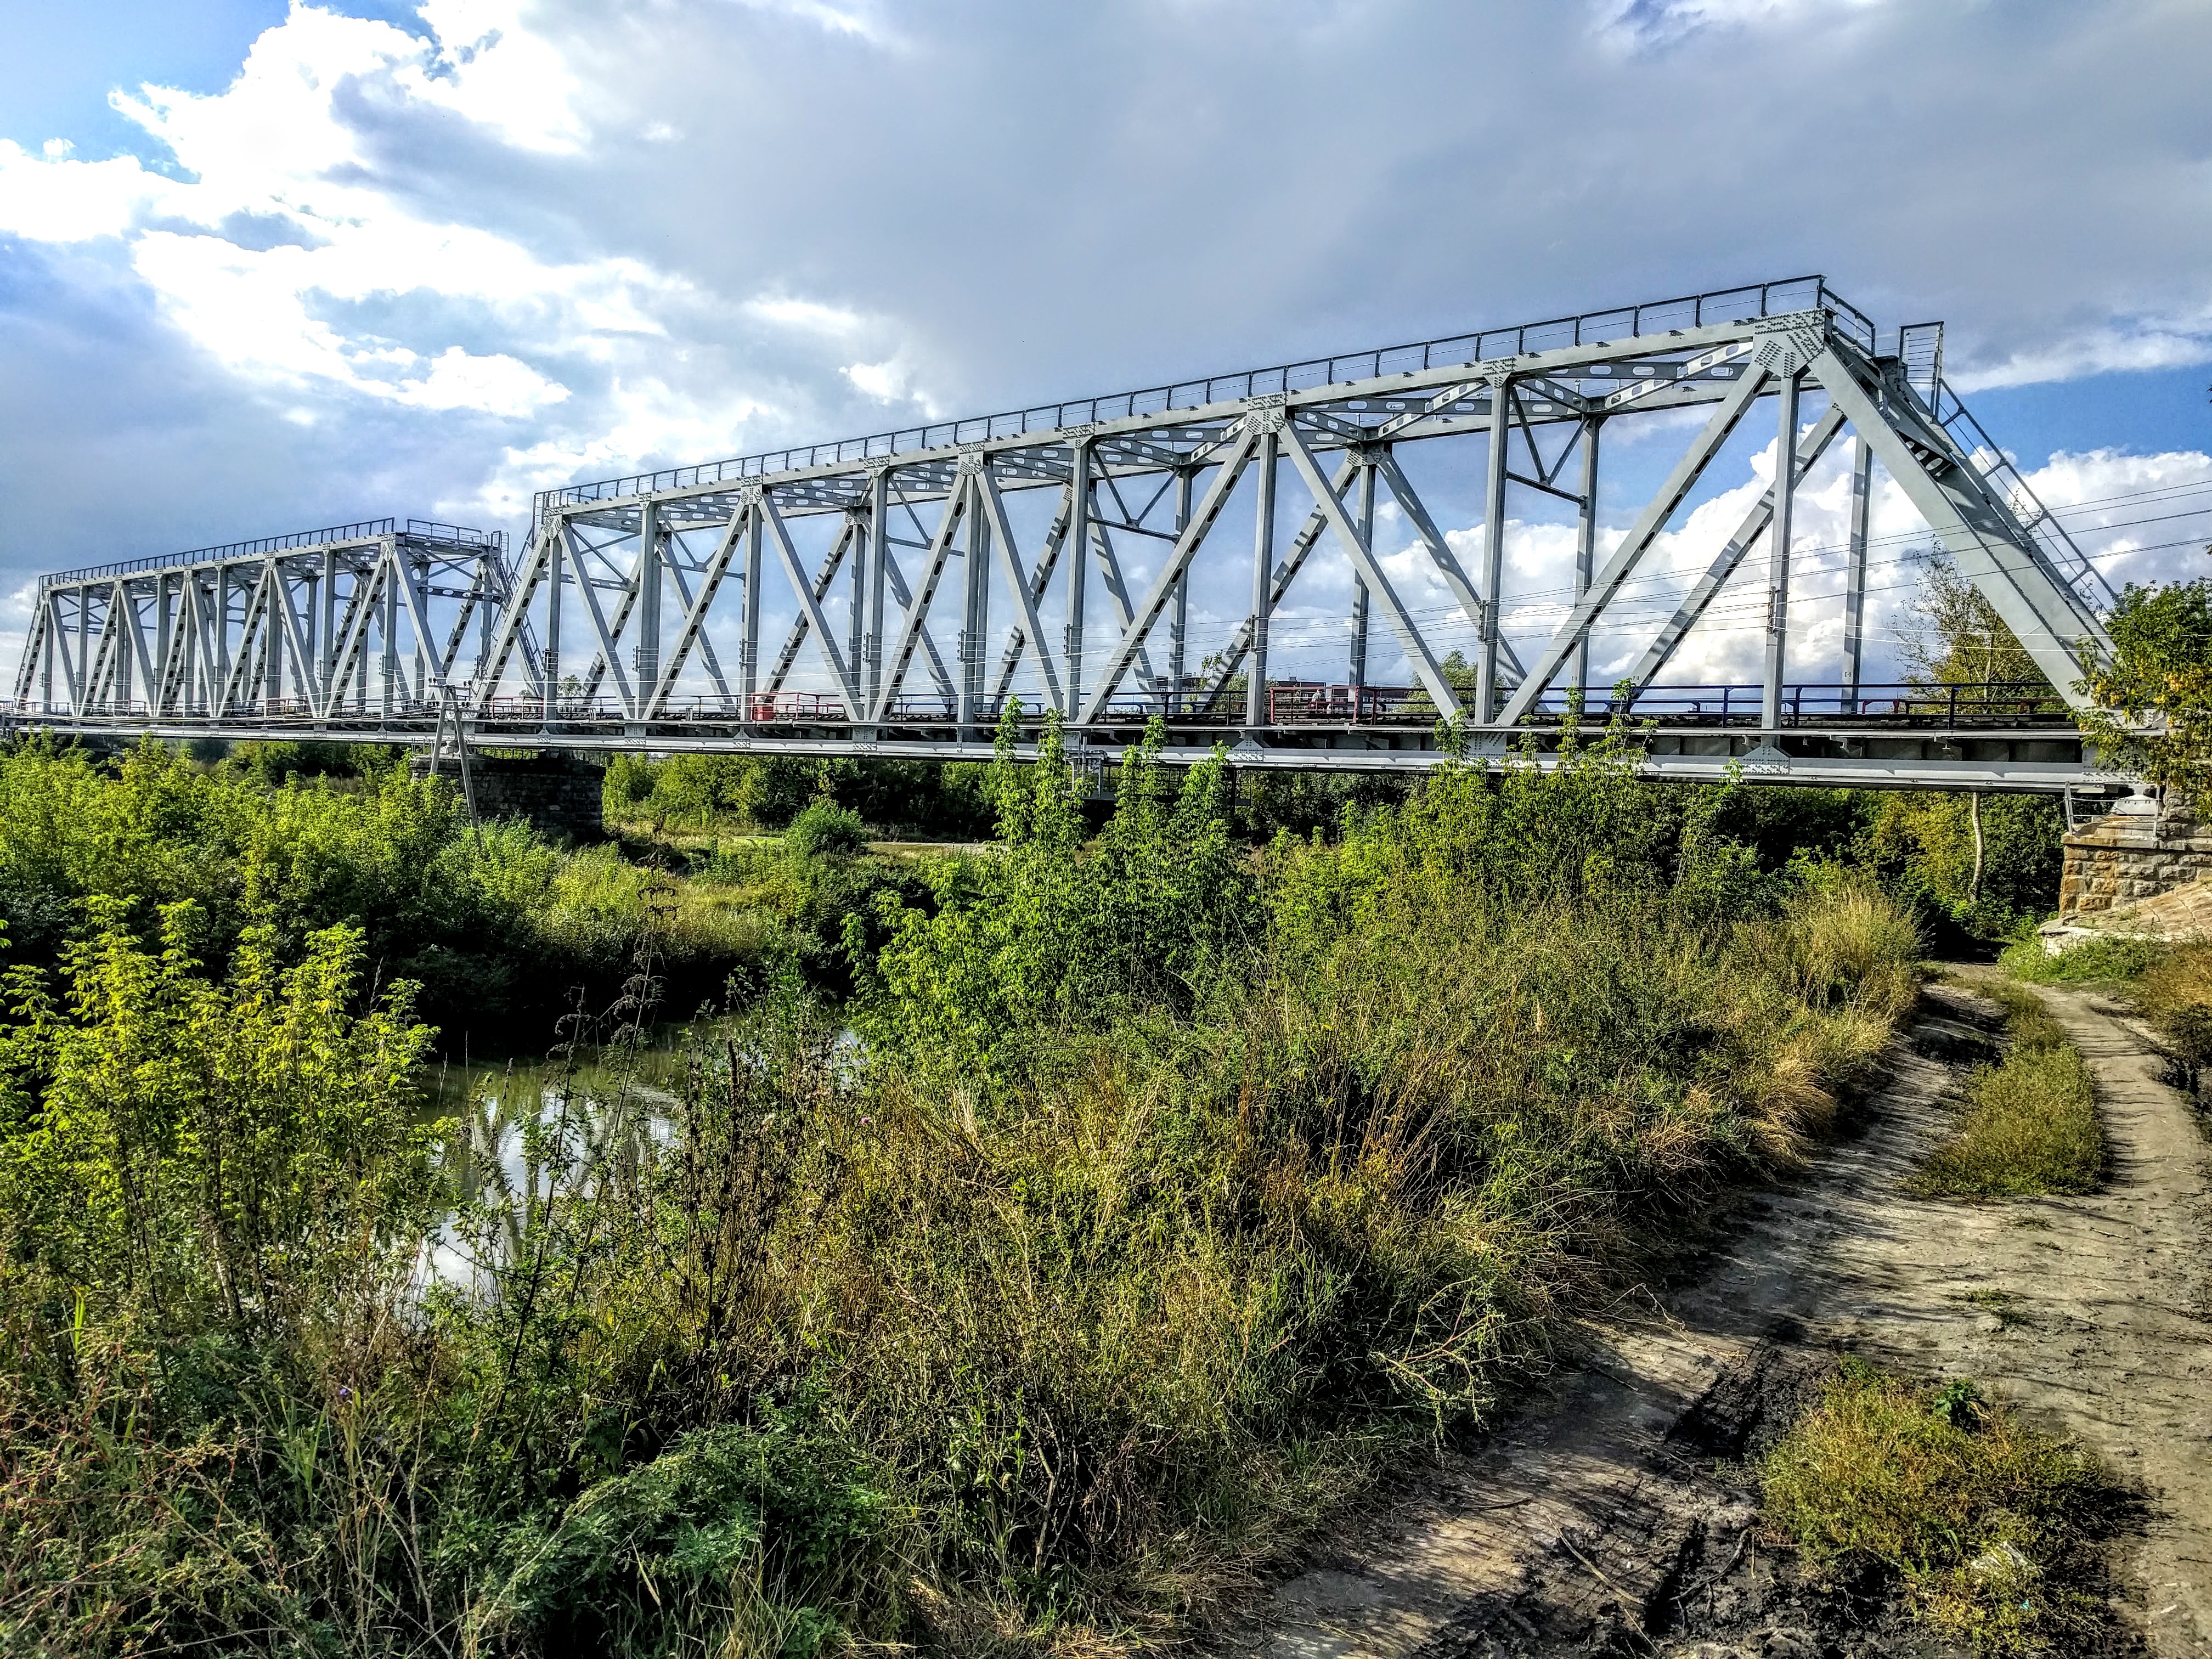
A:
<point x="1598" y="1521"/>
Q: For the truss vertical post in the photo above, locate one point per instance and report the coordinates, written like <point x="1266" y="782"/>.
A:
<point x="749" y="652"/>
<point x="1356" y="669"/>
<point x="649" y="602"/>
<point x="123" y="622"/>
<point x="879" y="558"/>
<point x="1077" y="543"/>
<point x="389" y="560"/>
<point x="272" y="659"/>
<point x="1856" y="569"/>
<point x="1263" y="578"/>
<point x="218" y="698"/>
<point x="1778" y="550"/>
<point x="855" y="533"/>
<point x="157" y="693"/>
<point x="1179" y="620"/>
<point x="1493" y="547"/>
<point x="1586" y="542"/>
<point x="326" y="636"/>
<point x="82" y="694"/>
<point x="557" y="559"/>
<point x="49" y="626"/>
<point x="975" y="622"/>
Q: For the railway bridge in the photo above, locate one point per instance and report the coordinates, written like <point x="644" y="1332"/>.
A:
<point x="1210" y="552"/>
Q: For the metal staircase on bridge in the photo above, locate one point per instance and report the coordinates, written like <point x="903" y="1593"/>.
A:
<point x="1100" y="516"/>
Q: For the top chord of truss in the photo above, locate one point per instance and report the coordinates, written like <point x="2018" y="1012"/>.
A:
<point x="1619" y="323"/>
<point x="342" y="535"/>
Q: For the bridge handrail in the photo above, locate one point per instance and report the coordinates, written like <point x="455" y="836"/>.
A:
<point x="1693" y="310"/>
<point x="427" y="530"/>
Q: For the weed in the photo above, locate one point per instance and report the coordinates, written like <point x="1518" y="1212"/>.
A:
<point x="2029" y="1123"/>
<point x="2001" y="1303"/>
<point x="1992" y="1529"/>
<point x="2095" y="961"/>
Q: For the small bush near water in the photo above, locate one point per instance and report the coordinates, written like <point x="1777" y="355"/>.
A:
<point x="2029" y="1123"/>
<point x="1173" y="1194"/>
<point x="1991" y="1529"/>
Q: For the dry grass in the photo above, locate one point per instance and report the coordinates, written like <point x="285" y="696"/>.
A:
<point x="1992" y="1529"/>
<point x="2029" y="1126"/>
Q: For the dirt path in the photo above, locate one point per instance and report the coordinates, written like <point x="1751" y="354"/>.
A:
<point x="1595" y="1524"/>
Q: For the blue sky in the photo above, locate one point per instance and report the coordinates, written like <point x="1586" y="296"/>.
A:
<point x="263" y="267"/>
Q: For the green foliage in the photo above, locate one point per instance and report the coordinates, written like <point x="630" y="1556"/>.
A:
<point x="2117" y="959"/>
<point x="495" y="925"/>
<point x="1961" y="640"/>
<point x="1920" y="845"/>
<point x="1044" y="931"/>
<point x="755" y="792"/>
<point x="245" y="1137"/>
<point x="1991" y="1526"/>
<point x="2157" y="689"/>
<point x="276" y="764"/>
<point x="824" y="829"/>
<point x="671" y="1556"/>
<point x="2029" y="1124"/>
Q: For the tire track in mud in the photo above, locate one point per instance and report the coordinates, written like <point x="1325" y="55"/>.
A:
<point x="1595" y="1522"/>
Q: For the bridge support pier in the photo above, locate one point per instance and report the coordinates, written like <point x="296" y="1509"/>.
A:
<point x="558" y="793"/>
<point x="2147" y="847"/>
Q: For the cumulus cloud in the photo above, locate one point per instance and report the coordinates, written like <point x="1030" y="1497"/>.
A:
<point x="283" y="231"/>
<point x="515" y="242"/>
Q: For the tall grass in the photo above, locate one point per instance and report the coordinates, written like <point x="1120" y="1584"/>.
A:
<point x="2029" y="1123"/>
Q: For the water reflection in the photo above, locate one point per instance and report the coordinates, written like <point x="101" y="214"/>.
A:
<point x="517" y="1132"/>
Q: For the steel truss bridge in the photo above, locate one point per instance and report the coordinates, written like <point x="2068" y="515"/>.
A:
<point x="1050" y="553"/>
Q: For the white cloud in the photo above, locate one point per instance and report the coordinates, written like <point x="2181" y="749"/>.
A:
<point x="1643" y="22"/>
<point x="2139" y="518"/>
<point x="2174" y="342"/>
<point x="893" y="381"/>
<point x="55" y="199"/>
<point x="287" y="244"/>
<point x="807" y="314"/>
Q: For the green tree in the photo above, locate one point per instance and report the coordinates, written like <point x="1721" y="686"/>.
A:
<point x="2154" y="697"/>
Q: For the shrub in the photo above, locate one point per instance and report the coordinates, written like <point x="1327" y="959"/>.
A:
<point x="824" y="829"/>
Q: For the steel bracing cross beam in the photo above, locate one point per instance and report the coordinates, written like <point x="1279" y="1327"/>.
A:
<point x="1078" y="530"/>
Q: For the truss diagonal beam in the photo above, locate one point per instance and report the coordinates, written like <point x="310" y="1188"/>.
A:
<point x="1379" y="584"/>
<point x="608" y="661"/>
<point x="1446" y="561"/>
<point x="824" y="640"/>
<point x="917" y="611"/>
<point x="1625" y="557"/>
<point x="1156" y="597"/>
<point x="825" y="573"/>
<point x="1725" y="562"/>
<point x="1010" y="567"/>
<point x="2047" y="617"/>
<point x="696" y="607"/>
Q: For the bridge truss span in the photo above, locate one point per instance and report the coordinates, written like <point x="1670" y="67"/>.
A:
<point x="888" y="595"/>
